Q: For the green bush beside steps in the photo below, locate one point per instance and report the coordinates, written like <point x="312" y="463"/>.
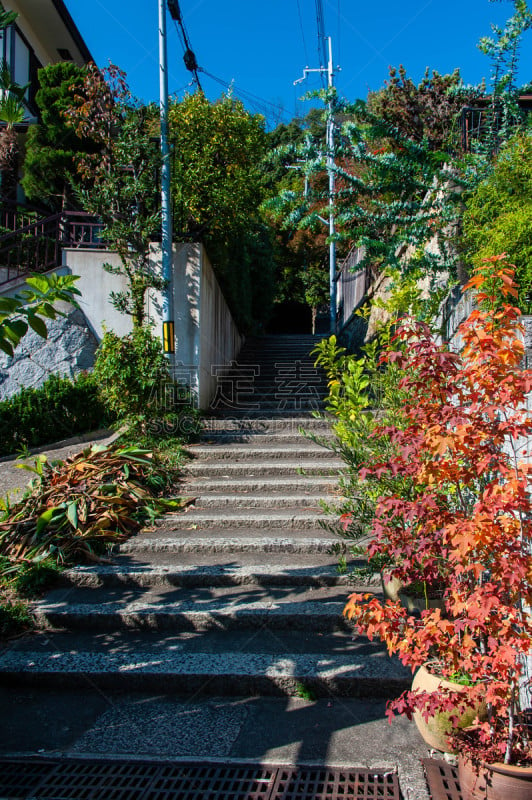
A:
<point x="60" y="408"/>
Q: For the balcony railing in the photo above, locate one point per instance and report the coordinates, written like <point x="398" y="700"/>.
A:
<point x="38" y="245"/>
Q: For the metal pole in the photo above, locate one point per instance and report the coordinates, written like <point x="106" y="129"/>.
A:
<point x="166" y="211"/>
<point x="330" y="168"/>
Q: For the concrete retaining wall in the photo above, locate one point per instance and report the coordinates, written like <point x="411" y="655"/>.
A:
<point x="206" y="335"/>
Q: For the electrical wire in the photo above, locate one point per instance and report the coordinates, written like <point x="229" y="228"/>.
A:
<point x="339" y="14"/>
<point x="322" y="50"/>
<point x="264" y="107"/>
<point x="302" y="32"/>
<point x="189" y="58"/>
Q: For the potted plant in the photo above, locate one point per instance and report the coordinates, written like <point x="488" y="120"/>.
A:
<point x="461" y="441"/>
<point x="366" y="401"/>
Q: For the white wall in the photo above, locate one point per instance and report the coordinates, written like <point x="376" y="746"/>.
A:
<point x="220" y="340"/>
<point x="95" y="285"/>
<point x="206" y="335"/>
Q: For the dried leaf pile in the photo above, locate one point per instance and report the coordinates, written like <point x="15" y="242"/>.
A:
<point x="76" y="509"/>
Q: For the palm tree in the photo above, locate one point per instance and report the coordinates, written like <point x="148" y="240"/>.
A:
<point x="11" y="113"/>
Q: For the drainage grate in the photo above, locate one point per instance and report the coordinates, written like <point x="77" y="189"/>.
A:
<point x="442" y="779"/>
<point x="81" y="779"/>
<point x="17" y="778"/>
<point x="212" y="782"/>
<point x="320" y="783"/>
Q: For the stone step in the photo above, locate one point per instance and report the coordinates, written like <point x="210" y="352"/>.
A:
<point x="226" y="468"/>
<point x="253" y="452"/>
<point x="235" y="519"/>
<point x="193" y="609"/>
<point x="258" y="500"/>
<point x="227" y="665"/>
<point x="276" y="413"/>
<point x="323" y="486"/>
<point x="282" y="407"/>
<point x="238" y="569"/>
<point x="261" y="439"/>
<point x="278" y="540"/>
<point x="289" y="424"/>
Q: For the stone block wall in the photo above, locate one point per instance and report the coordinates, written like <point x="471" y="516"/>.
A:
<point x="69" y="349"/>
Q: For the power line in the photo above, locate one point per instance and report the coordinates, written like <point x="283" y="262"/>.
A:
<point x="264" y="107"/>
<point x="322" y="49"/>
<point x="302" y="32"/>
<point x="189" y="57"/>
<point x="339" y="14"/>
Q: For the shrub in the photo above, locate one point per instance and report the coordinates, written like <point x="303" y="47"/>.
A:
<point x="498" y="215"/>
<point x="132" y="375"/>
<point x="59" y="408"/>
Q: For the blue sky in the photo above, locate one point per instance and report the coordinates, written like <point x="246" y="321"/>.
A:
<point x="263" y="45"/>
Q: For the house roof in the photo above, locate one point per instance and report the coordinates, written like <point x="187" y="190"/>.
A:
<point x="49" y="29"/>
<point x="70" y="25"/>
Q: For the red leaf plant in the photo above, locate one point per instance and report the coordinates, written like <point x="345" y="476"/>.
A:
<point x="467" y="522"/>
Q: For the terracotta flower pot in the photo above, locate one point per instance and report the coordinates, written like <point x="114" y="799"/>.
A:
<point x="418" y="602"/>
<point x="435" y="731"/>
<point x="391" y="588"/>
<point x="394" y="589"/>
<point x="494" y="781"/>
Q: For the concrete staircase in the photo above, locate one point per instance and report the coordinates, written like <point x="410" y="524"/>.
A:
<point x="239" y="595"/>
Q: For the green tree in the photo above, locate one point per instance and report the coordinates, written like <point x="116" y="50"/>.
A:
<point x="301" y="253"/>
<point x="118" y="181"/>
<point x="217" y="150"/>
<point x="427" y="111"/>
<point x="52" y="146"/>
<point x="498" y="215"/>
<point x="217" y="191"/>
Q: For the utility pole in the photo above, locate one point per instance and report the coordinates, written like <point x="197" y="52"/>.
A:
<point x="166" y="210"/>
<point x="330" y="169"/>
<point x="329" y="69"/>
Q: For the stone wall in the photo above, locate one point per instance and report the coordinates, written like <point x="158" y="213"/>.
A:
<point x="69" y="349"/>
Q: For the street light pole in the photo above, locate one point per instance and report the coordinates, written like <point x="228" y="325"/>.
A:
<point x="166" y="211"/>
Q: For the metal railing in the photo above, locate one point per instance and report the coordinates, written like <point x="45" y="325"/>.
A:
<point x="352" y="284"/>
<point x="38" y="245"/>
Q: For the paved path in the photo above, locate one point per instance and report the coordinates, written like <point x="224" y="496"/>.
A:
<point x="13" y="480"/>
<point x="219" y="633"/>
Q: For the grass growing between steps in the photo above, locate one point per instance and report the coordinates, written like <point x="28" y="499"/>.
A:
<point x="74" y="511"/>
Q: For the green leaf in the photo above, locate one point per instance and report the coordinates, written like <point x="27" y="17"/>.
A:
<point x="15" y="330"/>
<point x="72" y="514"/>
<point x="44" y="520"/>
<point x="38" y="325"/>
<point x="6" y="346"/>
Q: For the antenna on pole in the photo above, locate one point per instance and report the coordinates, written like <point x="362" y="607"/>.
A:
<point x="329" y="70"/>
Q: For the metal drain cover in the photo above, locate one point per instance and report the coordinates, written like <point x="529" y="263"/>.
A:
<point x="88" y="779"/>
<point x="442" y="779"/>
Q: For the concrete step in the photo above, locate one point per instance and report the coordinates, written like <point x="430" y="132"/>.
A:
<point x="238" y="569"/>
<point x="282" y="407"/>
<point x="258" y="500"/>
<point x="287" y="424"/>
<point x="270" y="414"/>
<point x="193" y="609"/>
<point x="253" y="452"/>
<point x="278" y="540"/>
<point x="261" y="439"/>
<point x="322" y="486"/>
<point x="226" y="468"/>
<point x="224" y="666"/>
<point x="237" y="519"/>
